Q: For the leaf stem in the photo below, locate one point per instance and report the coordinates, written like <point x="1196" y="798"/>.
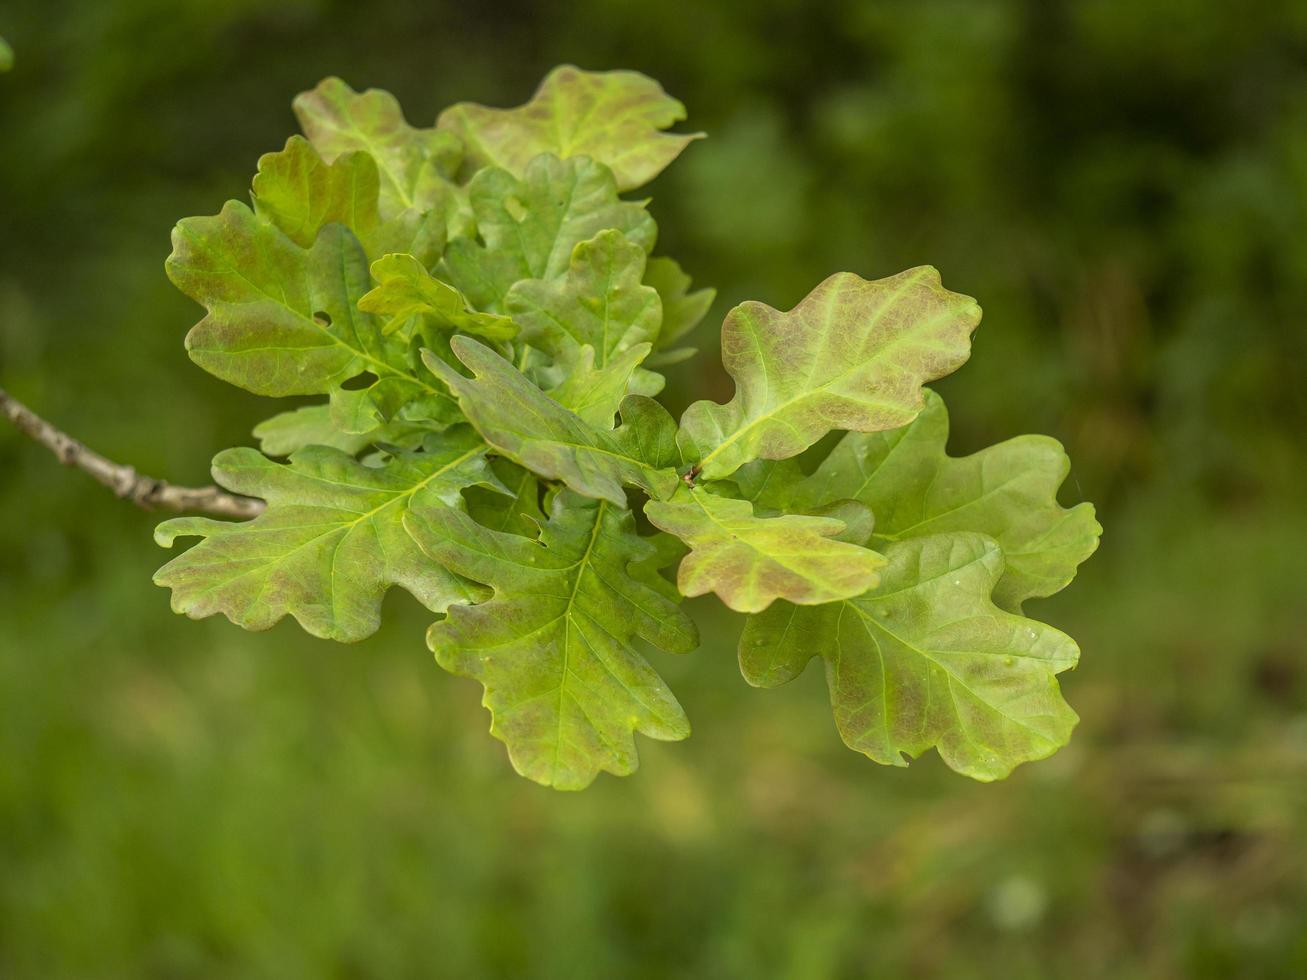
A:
<point x="144" y="491"/>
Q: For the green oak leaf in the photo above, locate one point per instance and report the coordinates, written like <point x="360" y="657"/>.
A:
<point x="554" y="648"/>
<point x="779" y="485"/>
<point x="751" y="561"/>
<point x="526" y="425"/>
<point x="405" y="289"/>
<point x="299" y="192"/>
<point x="614" y="117"/>
<point x="269" y="327"/>
<point x="528" y="227"/>
<point x="598" y="303"/>
<point x="312" y="425"/>
<point x="590" y="321"/>
<point x="596" y="394"/>
<point x="415" y="165"/>
<point x="852" y="355"/>
<point x="682" y="309"/>
<point x="648" y="432"/>
<point x="927" y="659"/>
<point x="283" y="320"/>
<point x="331" y="541"/>
<point x="1007" y="491"/>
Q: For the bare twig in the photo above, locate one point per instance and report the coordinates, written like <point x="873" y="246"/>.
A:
<point x="144" y="491"/>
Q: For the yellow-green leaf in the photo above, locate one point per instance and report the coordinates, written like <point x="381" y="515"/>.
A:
<point x="525" y="424"/>
<point x="614" y="117"/>
<point x="751" y="561"/>
<point x="555" y="646"/>
<point x="597" y="322"/>
<point x="331" y="541"/>
<point x="299" y="192"/>
<point x="926" y="659"/>
<point x="852" y="355"/>
<point x="405" y="289"/>
<point x="283" y="320"/>
<point x="415" y="164"/>
<point x="1007" y="491"/>
<point x="528" y="226"/>
<point x="682" y="309"/>
<point x="312" y="425"/>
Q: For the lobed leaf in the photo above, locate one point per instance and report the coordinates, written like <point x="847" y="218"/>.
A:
<point x="406" y="290"/>
<point x="614" y="117"/>
<point x="522" y="422"/>
<point x="415" y="165"/>
<point x="529" y="226"/>
<point x="682" y="309"/>
<point x="284" y="320"/>
<point x="592" y="319"/>
<point x="598" y="303"/>
<point x="751" y="561"/>
<point x="852" y="355"/>
<point x="272" y="305"/>
<point x="596" y="394"/>
<point x="1008" y="491"/>
<point x="554" y="648"/>
<point x="300" y="193"/>
<point x="331" y="541"/>
<point x="926" y="659"/>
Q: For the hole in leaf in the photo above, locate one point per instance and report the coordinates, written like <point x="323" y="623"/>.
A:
<point x="360" y="381"/>
<point x="323" y="317"/>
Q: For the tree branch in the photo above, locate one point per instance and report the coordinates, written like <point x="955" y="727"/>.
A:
<point x="144" y="491"/>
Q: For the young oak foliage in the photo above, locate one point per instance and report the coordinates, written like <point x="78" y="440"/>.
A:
<point x="475" y="311"/>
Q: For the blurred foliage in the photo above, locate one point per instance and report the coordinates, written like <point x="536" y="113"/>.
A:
<point x="1122" y="184"/>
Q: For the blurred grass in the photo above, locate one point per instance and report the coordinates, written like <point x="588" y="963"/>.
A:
<point x="1121" y="184"/>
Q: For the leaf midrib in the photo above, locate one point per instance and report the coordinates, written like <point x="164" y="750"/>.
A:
<point x="580" y="567"/>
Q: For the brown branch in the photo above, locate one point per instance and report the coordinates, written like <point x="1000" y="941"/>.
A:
<point x="144" y="491"/>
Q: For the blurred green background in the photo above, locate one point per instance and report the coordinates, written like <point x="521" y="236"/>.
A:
<point x="1123" y="185"/>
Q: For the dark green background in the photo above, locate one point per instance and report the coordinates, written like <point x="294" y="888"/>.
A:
<point x="1123" y="185"/>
